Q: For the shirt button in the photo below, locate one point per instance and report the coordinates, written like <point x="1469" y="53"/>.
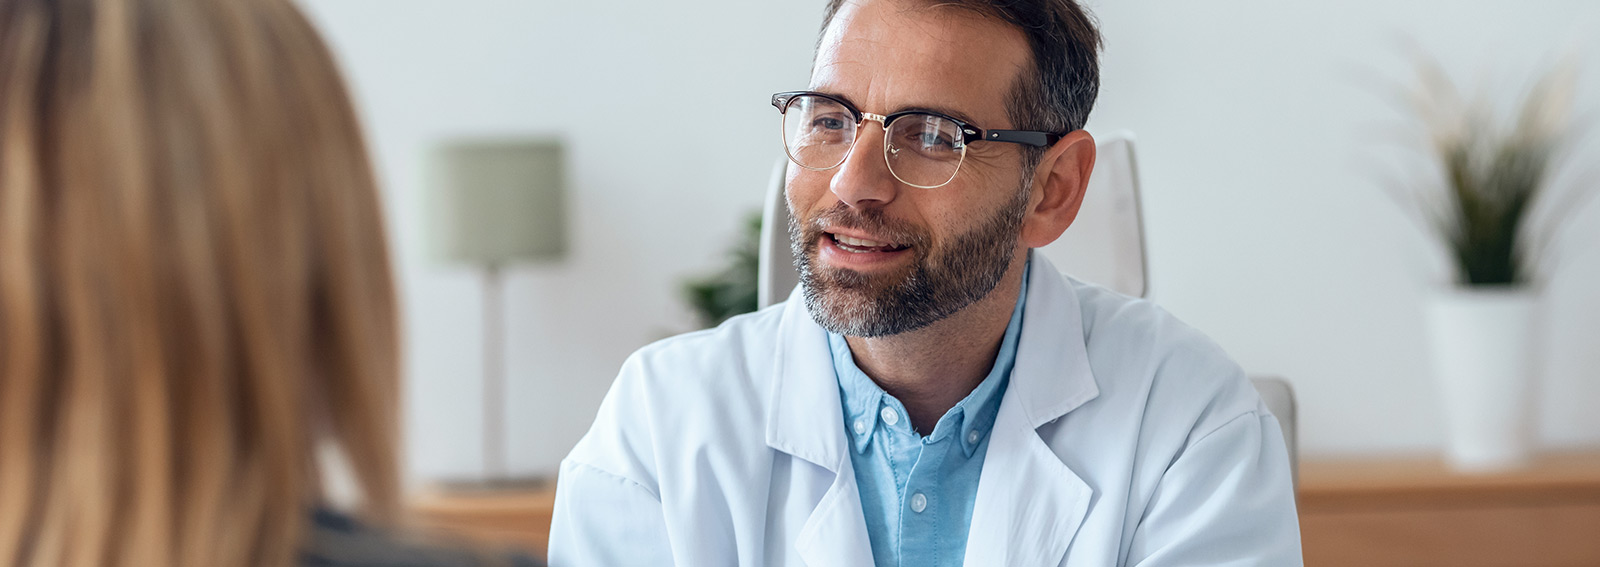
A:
<point x="919" y="502"/>
<point x="890" y="417"/>
<point x="861" y="426"/>
<point x="972" y="437"/>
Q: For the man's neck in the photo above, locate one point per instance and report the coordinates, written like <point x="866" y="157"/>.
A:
<point x="932" y="369"/>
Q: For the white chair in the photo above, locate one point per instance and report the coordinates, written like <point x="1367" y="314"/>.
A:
<point x="1105" y="245"/>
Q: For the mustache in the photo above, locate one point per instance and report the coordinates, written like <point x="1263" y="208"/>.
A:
<point x="872" y="221"/>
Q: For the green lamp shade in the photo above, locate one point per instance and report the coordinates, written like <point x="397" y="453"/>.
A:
<point x="497" y="202"/>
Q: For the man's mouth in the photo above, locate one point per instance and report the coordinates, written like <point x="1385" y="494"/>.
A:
<point x="863" y="246"/>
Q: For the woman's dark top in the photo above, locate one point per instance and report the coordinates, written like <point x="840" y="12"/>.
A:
<point x="340" y="541"/>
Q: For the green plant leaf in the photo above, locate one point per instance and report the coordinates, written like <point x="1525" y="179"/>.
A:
<point x="733" y="290"/>
<point x="1494" y="175"/>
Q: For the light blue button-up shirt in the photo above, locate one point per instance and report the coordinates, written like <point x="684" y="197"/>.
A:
<point x="918" y="492"/>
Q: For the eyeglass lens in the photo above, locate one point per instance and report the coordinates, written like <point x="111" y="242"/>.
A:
<point x="922" y="150"/>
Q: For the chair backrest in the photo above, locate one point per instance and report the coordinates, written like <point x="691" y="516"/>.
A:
<point x="1105" y="245"/>
<point x="1106" y="242"/>
<point x="1279" y="397"/>
<point x="777" y="276"/>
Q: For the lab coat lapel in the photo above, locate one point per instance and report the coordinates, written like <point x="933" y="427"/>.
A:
<point x="806" y="420"/>
<point x="836" y="532"/>
<point x="1029" y="503"/>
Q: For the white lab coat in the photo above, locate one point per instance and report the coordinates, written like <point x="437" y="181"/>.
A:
<point x="1124" y="438"/>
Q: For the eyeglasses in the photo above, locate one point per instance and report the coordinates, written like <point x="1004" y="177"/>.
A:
<point x="923" y="149"/>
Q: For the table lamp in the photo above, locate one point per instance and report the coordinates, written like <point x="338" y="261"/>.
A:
<point x="493" y="204"/>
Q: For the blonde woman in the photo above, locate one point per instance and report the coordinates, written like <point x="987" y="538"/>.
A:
<point x="194" y="292"/>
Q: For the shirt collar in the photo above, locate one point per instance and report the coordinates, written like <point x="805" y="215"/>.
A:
<point x="973" y="417"/>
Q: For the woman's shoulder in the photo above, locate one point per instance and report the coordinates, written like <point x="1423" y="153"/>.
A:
<point x="338" y="540"/>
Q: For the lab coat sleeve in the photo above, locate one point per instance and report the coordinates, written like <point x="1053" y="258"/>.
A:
<point x="1226" y="500"/>
<point x="608" y="504"/>
<point x="602" y="519"/>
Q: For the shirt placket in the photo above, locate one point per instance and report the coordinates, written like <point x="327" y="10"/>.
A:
<point x="918" y="464"/>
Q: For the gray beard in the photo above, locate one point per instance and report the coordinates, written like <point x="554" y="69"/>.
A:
<point x="939" y="283"/>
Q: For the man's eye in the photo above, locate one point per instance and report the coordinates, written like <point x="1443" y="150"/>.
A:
<point x="930" y="140"/>
<point x="828" y="123"/>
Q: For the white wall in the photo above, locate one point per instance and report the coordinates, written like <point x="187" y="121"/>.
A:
<point x="670" y="139"/>
<point x="1263" y="127"/>
<point x="1257" y="122"/>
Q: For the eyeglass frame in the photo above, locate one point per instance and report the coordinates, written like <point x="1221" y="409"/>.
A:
<point x="969" y="132"/>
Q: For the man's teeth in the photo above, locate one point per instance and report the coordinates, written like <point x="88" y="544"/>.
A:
<point x="859" y="242"/>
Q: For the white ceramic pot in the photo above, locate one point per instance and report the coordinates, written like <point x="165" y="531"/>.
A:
<point x="1482" y="346"/>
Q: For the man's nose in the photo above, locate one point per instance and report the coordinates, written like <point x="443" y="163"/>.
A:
<point x="864" y="180"/>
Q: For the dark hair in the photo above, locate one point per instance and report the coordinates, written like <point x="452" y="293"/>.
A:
<point x="1057" y="92"/>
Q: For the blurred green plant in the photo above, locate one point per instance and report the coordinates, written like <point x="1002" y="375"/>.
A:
<point x="731" y="291"/>
<point x="1495" y="171"/>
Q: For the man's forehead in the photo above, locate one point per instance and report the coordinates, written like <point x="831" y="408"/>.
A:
<point x="887" y="55"/>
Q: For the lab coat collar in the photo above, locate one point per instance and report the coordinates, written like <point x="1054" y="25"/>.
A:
<point x="1052" y="375"/>
<point x="806" y="420"/>
<point x="1030" y="504"/>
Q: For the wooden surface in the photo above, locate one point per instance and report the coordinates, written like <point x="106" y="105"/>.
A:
<point x="517" y="517"/>
<point x="1399" y="512"/>
<point x="1418" y="512"/>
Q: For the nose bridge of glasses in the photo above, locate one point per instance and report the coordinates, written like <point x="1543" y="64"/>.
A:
<point x="883" y="121"/>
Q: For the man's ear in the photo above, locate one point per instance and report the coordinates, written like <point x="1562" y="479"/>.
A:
<point x="1058" y="186"/>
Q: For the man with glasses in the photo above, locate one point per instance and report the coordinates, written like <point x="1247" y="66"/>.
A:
<point x="934" y="394"/>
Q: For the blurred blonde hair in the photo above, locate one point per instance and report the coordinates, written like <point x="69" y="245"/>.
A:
<point x="194" y="286"/>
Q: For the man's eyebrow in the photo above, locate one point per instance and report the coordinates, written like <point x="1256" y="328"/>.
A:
<point x="840" y="96"/>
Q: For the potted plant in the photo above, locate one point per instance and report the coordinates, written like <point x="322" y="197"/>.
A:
<point x="1495" y="172"/>
<point x="731" y="291"/>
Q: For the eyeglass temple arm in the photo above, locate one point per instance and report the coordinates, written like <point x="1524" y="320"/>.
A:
<point x="1025" y="137"/>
